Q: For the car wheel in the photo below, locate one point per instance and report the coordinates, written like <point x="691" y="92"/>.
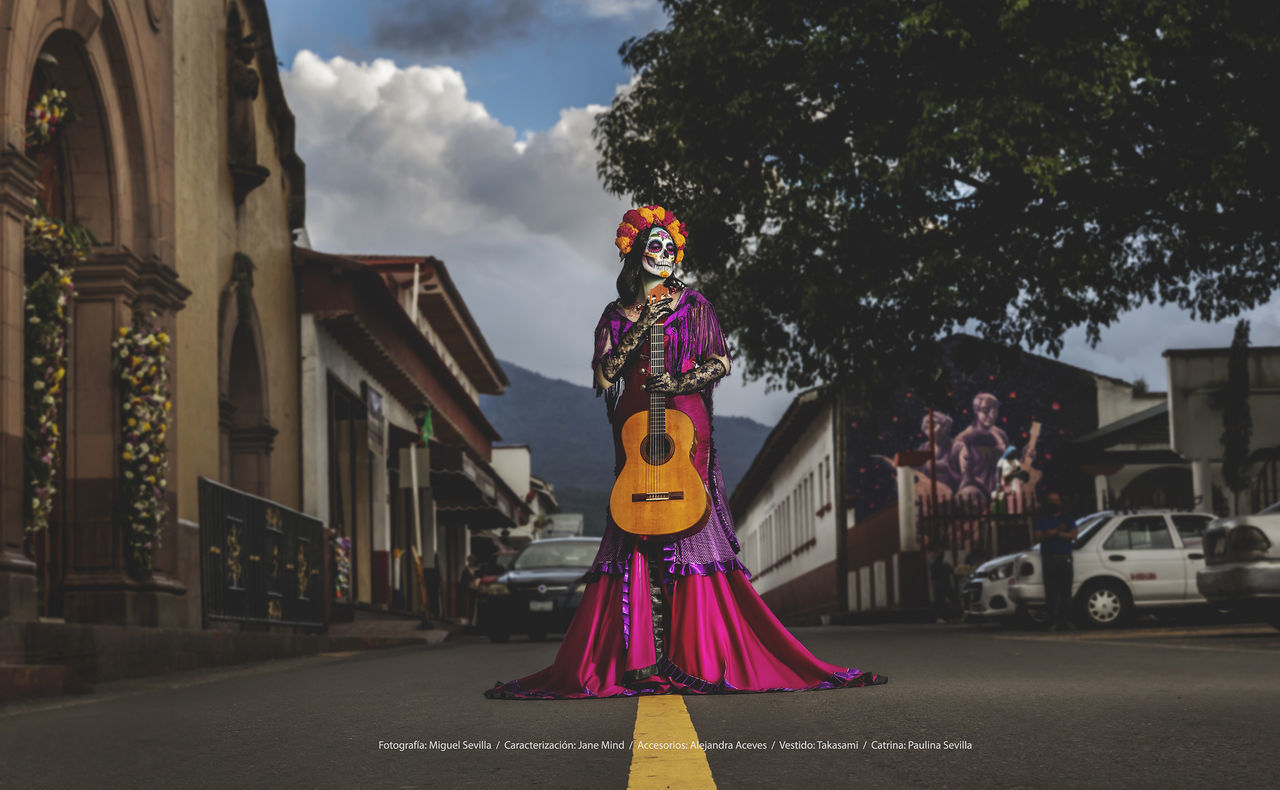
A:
<point x="498" y="637"/>
<point x="1104" y="604"/>
<point x="537" y="636"/>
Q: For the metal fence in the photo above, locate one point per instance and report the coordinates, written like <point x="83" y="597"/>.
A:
<point x="968" y="524"/>
<point x="260" y="562"/>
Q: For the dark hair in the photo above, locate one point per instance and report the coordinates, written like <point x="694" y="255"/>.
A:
<point x="632" y="274"/>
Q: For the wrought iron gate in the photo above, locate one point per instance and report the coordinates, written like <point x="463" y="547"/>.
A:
<point x="260" y="562"/>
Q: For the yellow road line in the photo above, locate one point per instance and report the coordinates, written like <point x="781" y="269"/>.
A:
<point x="665" y="751"/>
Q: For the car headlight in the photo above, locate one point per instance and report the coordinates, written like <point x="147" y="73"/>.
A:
<point x="1001" y="572"/>
<point x="1248" y="542"/>
<point x="580" y="589"/>
<point x="495" y="589"/>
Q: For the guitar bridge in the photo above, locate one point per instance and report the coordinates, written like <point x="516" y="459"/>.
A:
<point x="657" y="496"/>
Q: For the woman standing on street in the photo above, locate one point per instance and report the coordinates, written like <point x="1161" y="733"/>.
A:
<point x="670" y="614"/>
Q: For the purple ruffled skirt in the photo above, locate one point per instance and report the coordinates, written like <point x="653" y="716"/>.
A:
<point x="722" y="637"/>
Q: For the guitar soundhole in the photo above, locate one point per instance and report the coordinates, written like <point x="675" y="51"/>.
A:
<point x="657" y="450"/>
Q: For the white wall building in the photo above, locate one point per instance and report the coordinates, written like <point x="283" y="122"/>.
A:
<point x="784" y="510"/>
<point x="387" y="346"/>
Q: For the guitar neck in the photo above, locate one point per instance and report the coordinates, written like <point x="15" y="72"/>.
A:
<point x="1031" y="445"/>
<point x="657" y="364"/>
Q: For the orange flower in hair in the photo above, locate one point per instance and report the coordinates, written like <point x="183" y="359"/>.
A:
<point x="645" y="217"/>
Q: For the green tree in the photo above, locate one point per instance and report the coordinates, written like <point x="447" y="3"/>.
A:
<point x="860" y="179"/>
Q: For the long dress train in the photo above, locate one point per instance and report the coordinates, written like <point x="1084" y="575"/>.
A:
<point x="720" y="636"/>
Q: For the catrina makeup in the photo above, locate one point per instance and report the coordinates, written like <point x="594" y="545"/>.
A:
<point x="660" y="253"/>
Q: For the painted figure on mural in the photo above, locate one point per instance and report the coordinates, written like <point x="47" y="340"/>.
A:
<point x="941" y="445"/>
<point x="677" y="613"/>
<point x="977" y="450"/>
<point x="1010" y="477"/>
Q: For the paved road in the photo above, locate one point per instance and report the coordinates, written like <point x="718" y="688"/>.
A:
<point x="1153" y="707"/>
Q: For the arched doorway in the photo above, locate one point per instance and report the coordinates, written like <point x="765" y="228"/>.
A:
<point x="244" y="414"/>
<point x="112" y="174"/>
<point x="74" y="195"/>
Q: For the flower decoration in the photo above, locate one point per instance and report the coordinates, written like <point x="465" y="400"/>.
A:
<point x="140" y="352"/>
<point x="645" y="217"/>
<point x="51" y="242"/>
<point x="51" y="248"/>
<point x="49" y="113"/>
<point x="47" y="317"/>
<point x="342" y="568"/>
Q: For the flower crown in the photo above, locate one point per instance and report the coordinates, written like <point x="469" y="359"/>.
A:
<point x="645" y="217"/>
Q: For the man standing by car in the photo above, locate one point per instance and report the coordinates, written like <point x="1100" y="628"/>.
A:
<point x="1057" y="533"/>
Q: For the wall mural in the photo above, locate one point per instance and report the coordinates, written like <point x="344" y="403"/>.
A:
<point x="998" y="433"/>
<point x="980" y="465"/>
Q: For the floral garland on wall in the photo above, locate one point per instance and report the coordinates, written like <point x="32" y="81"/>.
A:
<point x="141" y="354"/>
<point x="53" y="248"/>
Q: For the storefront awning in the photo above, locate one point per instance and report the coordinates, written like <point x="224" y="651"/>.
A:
<point x="468" y="493"/>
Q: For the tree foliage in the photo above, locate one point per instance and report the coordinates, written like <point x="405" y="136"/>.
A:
<point x="860" y="179"/>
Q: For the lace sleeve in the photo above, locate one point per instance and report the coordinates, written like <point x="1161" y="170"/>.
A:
<point x="604" y="344"/>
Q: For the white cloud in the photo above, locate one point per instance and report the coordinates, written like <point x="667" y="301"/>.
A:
<point x="401" y="161"/>
<point x="604" y="9"/>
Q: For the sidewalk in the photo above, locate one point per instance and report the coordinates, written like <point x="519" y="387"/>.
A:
<point x="41" y="658"/>
<point x="390" y="625"/>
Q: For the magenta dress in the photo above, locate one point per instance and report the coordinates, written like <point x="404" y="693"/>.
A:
<point x="721" y="637"/>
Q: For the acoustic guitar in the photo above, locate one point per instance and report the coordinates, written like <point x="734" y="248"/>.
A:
<point x="658" y="492"/>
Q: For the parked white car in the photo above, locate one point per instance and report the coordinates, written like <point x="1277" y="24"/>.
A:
<point x="1124" y="561"/>
<point x="1242" y="565"/>
<point x="985" y="593"/>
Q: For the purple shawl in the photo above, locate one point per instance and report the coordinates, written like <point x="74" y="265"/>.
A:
<point x="693" y="335"/>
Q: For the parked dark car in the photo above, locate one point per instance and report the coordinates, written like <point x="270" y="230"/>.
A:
<point x="496" y="565"/>
<point x="541" y="591"/>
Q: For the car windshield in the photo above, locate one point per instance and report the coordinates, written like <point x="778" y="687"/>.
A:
<point x="1088" y="526"/>
<point x="570" y="554"/>
<point x="1272" y="509"/>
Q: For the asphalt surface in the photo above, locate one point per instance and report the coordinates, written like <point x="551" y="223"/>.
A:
<point x="965" y="706"/>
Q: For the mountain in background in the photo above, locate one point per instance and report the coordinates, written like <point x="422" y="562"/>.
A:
<point x="571" y="442"/>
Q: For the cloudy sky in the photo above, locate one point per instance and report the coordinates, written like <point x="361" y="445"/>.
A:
<point x="462" y="129"/>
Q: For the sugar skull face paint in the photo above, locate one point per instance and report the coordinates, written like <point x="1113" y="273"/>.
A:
<point x="660" y="253"/>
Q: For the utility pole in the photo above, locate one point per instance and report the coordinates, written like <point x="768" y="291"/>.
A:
<point x="839" y="425"/>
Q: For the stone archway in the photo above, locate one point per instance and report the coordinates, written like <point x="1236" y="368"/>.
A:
<point x="244" y="410"/>
<point x="73" y="185"/>
<point x="117" y="182"/>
